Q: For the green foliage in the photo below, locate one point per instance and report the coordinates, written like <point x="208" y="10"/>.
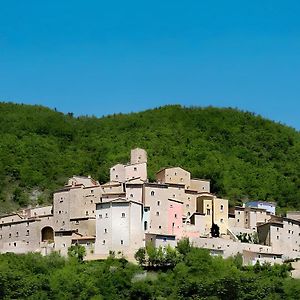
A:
<point x="251" y="238"/>
<point x="160" y="257"/>
<point x="244" y="155"/>
<point x="184" y="246"/>
<point x="77" y="251"/>
<point x="195" y="276"/>
<point x="140" y="256"/>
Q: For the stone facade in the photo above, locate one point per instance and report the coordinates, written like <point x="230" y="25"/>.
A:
<point x="127" y="212"/>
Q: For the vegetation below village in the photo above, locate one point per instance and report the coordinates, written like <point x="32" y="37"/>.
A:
<point x="244" y="155"/>
<point x="191" y="273"/>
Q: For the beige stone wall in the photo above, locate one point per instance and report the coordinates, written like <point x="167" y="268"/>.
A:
<point x="23" y="236"/>
<point x="174" y="175"/>
<point x="112" y="187"/>
<point x="220" y="213"/>
<point x="117" y="173"/>
<point x="136" y="171"/>
<point x="200" y="185"/>
<point x="138" y="155"/>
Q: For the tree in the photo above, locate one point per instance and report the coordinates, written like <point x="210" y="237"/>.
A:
<point x="77" y="251"/>
<point x="140" y="256"/>
<point x="184" y="246"/>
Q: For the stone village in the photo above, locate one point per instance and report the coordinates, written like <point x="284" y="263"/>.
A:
<point x="128" y="212"/>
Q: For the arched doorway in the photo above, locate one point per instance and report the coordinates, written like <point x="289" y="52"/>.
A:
<point x="47" y="234"/>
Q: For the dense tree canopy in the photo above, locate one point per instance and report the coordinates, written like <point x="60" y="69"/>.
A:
<point x="196" y="276"/>
<point x="244" y="155"/>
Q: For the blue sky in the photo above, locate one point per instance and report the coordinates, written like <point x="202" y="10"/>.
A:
<point x="103" y="57"/>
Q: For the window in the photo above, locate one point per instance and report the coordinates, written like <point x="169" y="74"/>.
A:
<point x="123" y="215"/>
<point x="122" y="242"/>
<point x="157" y="213"/>
<point x="100" y="216"/>
<point x="208" y="212"/>
<point x="63" y="222"/>
<point x="152" y="193"/>
<point x="106" y="215"/>
<point x="188" y="214"/>
<point x="17" y="234"/>
<point x="277" y="229"/>
<point x="105" y="230"/>
<point x="76" y="222"/>
<point x="173" y="224"/>
<point x="187" y="205"/>
<point x="91" y="201"/>
<point x="145" y="225"/>
<point x="103" y="242"/>
<point x="92" y="191"/>
<point x="15" y="244"/>
<point x="9" y="235"/>
<point x="86" y="213"/>
<point x="159" y="227"/>
<point x="59" y="212"/>
<point x="158" y="203"/>
<point x="238" y="220"/>
<point x="117" y="176"/>
<point x="135" y="169"/>
<point x="175" y="216"/>
<point x="131" y="195"/>
<point x="27" y="233"/>
<point x="277" y="237"/>
<point x="222" y="207"/>
<point x="1" y="237"/>
<point x="222" y="220"/>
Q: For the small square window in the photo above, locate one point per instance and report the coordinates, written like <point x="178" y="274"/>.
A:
<point x="158" y="203"/>
<point x="157" y="213"/>
<point x="159" y="227"/>
<point x="122" y="242"/>
<point x="123" y="215"/>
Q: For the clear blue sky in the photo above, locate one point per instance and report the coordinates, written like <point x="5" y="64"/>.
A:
<point x="100" y="57"/>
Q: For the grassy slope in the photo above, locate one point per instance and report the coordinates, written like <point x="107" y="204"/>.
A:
<point x="245" y="156"/>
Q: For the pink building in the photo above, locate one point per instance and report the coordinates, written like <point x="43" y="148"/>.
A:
<point x="174" y="214"/>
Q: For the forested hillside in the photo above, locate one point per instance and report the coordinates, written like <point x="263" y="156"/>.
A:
<point x="244" y="155"/>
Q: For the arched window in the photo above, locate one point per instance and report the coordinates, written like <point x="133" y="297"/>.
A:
<point x="152" y="193"/>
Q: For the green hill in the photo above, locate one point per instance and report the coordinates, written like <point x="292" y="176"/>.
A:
<point x="244" y="155"/>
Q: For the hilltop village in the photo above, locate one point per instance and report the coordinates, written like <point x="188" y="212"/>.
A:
<point x="128" y="212"/>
